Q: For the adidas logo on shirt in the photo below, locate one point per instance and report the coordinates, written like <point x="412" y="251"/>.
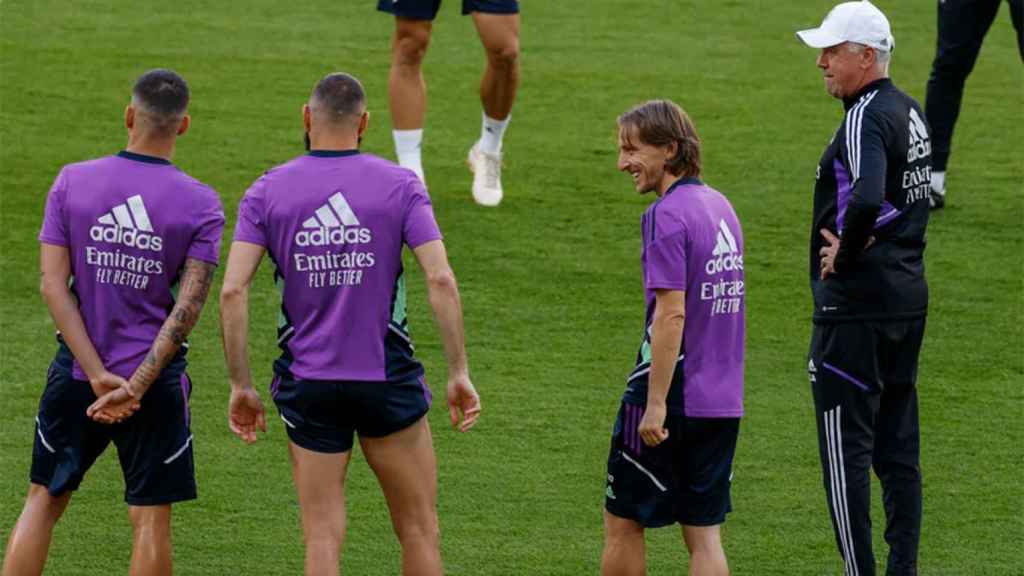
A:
<point x="919" y="145"/>
<point x="332" y="223"/>
<point x="726" y="252"/>
<point x="127" y="224"/>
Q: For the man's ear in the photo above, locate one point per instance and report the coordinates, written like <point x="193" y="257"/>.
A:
<point x="364" y="123"/>
<point x="183" y="126"/>
<point x="307" y="121"/>
<point x="129" y="117"/>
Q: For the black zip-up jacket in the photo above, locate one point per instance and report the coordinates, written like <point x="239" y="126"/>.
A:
<point x="873" y="182"/>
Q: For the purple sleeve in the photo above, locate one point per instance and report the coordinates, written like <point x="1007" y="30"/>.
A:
<point x="206" y="241"/>
<point x="54" y="230"/>
<point x="251" y="226"/>
<point x="418" y="223"/>
<point x="666" y="263"/>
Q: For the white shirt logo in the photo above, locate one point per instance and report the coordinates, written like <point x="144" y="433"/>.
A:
<point x="127" y="224"/>
<point x="726" y="252"/>
<point x="919" y="146"/>
<point x="332" y="223"/>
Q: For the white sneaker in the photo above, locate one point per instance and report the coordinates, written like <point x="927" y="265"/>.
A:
<point x="486" y="169"/>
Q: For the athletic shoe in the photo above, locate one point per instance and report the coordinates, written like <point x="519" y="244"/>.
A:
<point x="936" y="198"/>
<point x="486" y="169"/>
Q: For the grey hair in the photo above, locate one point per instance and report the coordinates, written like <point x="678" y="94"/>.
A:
<point x="882" y="57"/>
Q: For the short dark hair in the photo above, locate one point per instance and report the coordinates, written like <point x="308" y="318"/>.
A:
<point x="339" y="96"/>
<point x="662" y="123"/>
<point x="164" y="97"/>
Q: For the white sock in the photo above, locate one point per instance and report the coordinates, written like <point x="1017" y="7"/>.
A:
<point x="939" y="182"/>
<point x="407" y="148"/>
<point x="491" y="133"/>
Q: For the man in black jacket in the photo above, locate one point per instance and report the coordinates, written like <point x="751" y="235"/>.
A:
<point x="870" y="294"/>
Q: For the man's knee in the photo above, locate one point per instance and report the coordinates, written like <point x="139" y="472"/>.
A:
<point x="420" y="528"/>
<point x="701" y="539"/>
<point x="150" y="519"/>
<point x="503" y="55"/>
<point x="48" y="506"/>
<point x="619" y="529"/>
<point x="412" y="37"/>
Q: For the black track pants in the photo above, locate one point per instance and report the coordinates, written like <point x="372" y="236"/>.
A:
<point x="863" y="378"/>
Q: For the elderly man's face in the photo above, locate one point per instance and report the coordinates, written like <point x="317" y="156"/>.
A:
<point x="843" y="69"/>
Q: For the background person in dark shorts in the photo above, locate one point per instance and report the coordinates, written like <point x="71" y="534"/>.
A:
<point x="334" y="222"/>
<point x="870" y="295"/>
<point x="140" y="240"/>
<point x="497" y="23"/>
<point x="675" y="435"/>
<point x="961" y="30"/>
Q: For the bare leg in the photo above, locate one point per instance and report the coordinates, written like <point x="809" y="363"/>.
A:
<point x="320" y="483"/>
<point x="151" y="540"/>
<point x="499" y="34"/>
<point x="624" y="551"/>
<point x="407" y="471"/>
<point x="29" y="543"/>
<point x="407" y="92"/>
<point x="707" y="558"/>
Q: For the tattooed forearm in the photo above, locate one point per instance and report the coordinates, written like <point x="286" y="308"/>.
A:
<point x="195" y="283"/>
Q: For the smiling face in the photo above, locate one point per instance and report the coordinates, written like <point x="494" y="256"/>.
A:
<point x="845" y="70"/>
<point x="647" y="164"/>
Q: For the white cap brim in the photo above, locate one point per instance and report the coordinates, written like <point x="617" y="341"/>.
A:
<point x="819" y="38"/>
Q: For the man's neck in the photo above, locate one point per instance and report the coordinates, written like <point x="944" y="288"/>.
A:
<point x="162" y="148"/>
<point x="333" y="142"/>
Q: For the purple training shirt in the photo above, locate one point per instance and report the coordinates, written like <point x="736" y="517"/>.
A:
<point x="129" y="222"/>
<point x="692" y="241"/>
<point x="334" y="224"/>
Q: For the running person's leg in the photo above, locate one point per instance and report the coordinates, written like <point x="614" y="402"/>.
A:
<point x="406" y="469"/>
<point x="962" y="25"/>
<point x="497" y="23"/>
<point x="407" y="90"/>
<point x="320" y="483"/>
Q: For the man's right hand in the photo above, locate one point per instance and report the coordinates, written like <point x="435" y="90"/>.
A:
<point x="245" y="413"/>
<point x="462" y="400"/>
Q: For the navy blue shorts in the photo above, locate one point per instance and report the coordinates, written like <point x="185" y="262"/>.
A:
<point x="685" y="479"/>
<point x="154" y="445"/>
<point x="323" y="416"/>
<point x="427" y="9"/>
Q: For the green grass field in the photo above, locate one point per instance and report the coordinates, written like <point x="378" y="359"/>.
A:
<point x="550" y="280"/>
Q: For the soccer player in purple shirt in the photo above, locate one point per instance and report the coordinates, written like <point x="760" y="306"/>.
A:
<point x="675" y="434"/>
<point x="129" y="244"/>
<point x="334" y="222"/>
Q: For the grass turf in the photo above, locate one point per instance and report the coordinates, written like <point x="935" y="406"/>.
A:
<point x="550" y="280"/>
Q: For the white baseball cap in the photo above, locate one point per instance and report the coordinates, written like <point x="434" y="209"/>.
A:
<point x="860" y="22"/>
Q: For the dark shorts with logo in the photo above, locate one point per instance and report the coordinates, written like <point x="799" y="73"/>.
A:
<point x="324" y="416"/>
<point x="427" y="9"/>
<point x="154" y="445"/>
<point x="685" y="479"/>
